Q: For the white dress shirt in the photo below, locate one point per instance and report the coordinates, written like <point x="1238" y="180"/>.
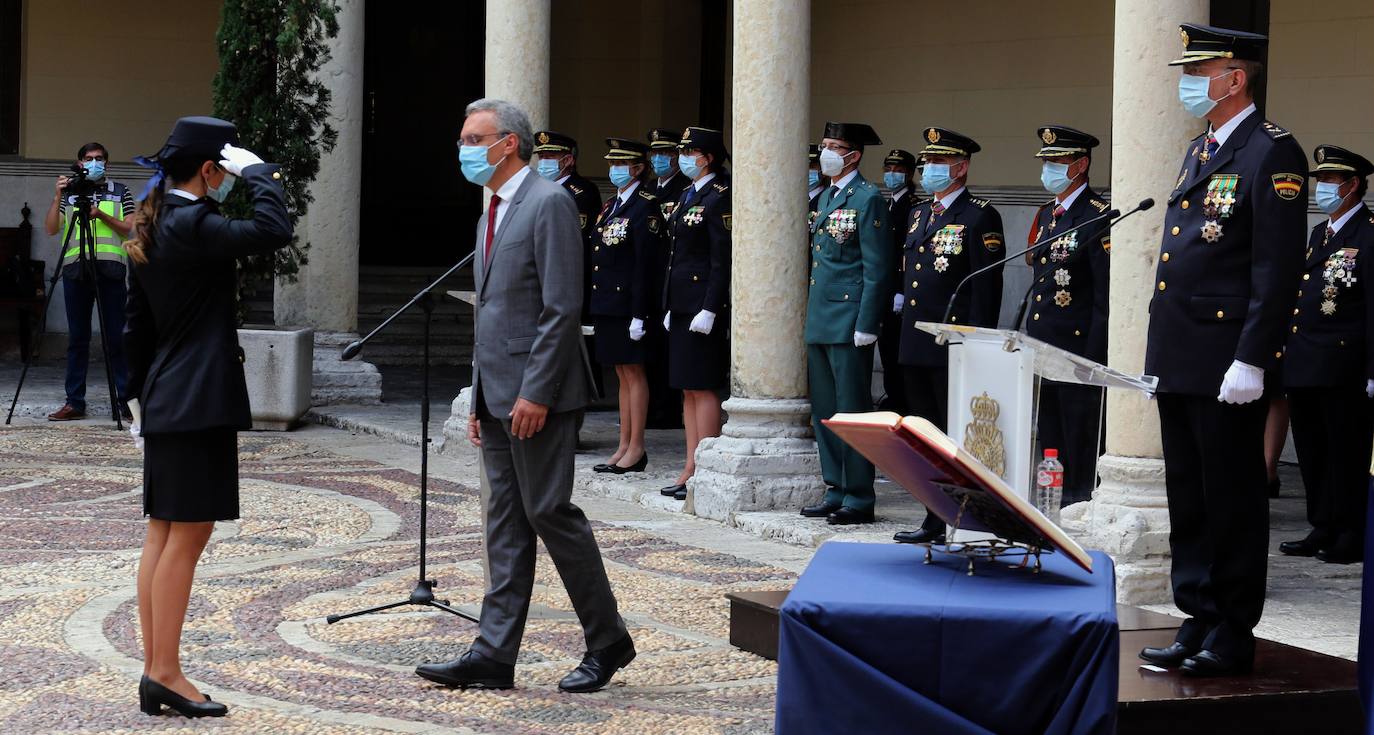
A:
<point x="840" y="183"/>
<point x="507" y="193"/>
<point x="1224" y="132"/>
<point x="1335" y="225"/>
<point x="948" y="200"/>
<point x="703" y="181"/>
<point x="1073" y="196"/>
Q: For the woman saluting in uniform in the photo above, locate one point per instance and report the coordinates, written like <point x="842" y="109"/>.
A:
<point x="186" y="372"/>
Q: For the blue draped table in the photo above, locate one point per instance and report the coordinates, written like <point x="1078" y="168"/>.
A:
<point x="874" y="641"/>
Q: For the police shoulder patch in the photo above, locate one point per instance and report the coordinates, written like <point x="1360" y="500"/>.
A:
<point x="1107" y="243"/>
<point x="582" y="220"/>
<point x="1287" y="186"/>
<point x="654" y="224"/>
<point x="992" y="241"/>
<point x="1274" y="131"/>
<point x="725" y="218"/>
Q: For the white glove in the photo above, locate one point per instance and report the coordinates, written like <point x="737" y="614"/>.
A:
<point x="897" y="304"/>
<point x="237" y="159"/>
<point x="666" y="319"/>
<point x="636" y="329"/>
<point x="702" y="322"/>
<point x="137" y="433"/>
<point x="864" y="339"/>
<point x="1369" y="388"/>
<point x="1242" y="383"/>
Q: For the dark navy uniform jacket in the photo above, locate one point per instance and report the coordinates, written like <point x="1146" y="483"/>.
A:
<point x="588" y="199"/>
<point x="969" y="236"/>
<point x="668" y="193"/>
<point x="623" y="258"/>
<point x="1330" y="342"/>
<point x="699" y="259"/>
<point x="1231" y="298"/>
<point x="1070" y="277"/>
<point x="898" y="216"/>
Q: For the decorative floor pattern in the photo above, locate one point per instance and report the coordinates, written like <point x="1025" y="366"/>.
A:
<point x="325" y="534"/>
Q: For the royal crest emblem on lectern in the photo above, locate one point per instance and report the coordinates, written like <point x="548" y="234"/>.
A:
<point x="982" y="438"/>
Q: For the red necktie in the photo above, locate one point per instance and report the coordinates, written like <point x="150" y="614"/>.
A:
<point x="491" y="229"/>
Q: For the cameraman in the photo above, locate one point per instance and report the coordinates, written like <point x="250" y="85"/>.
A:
<point x="111" y="219"/>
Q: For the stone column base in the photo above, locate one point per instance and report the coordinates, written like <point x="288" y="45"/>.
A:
<point x="456" y="426"/>
<point x="1128" y="518"/>
<point x="342" y="381"/>
<point x="765" y="459"/>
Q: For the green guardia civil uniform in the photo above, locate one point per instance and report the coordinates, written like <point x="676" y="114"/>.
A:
<point x="850" y="286"/>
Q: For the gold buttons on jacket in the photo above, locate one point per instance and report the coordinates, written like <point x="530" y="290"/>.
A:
<point x="1295" y="329"/>
<point x="1279" y="355"/>
<point x="276" y="175"/>
<point x="596" y="249"/>
<point x="1221" y="314"/>
<point x="1037" y="297"/>
<point x="1077" y="333"/>
<point x="696" y="278"/>
<point x="593" y="286"/>
<point x="846" y="297"/>
<point x="1036" y="317"/>
<point x="1306" y="276"/>
<point x="918" y="266"/>
<point x="913" y="284"/>
<point x="913" y="302"/>
<point x="921" y="249"/>
<point x="1174" y="231"/>
<point x="1183" y="204"/>
<point x="1295" y="312"/>
<point x="1043" y="261"/>
<point x="1164" y="257"/>
<point x="1161" y="285"/>
<point x="596" y="268"/>
<point x="814" y="264"/>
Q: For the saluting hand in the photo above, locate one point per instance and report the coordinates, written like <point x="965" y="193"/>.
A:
<point x="237" y="159"/>
<point x="527" y="418"/>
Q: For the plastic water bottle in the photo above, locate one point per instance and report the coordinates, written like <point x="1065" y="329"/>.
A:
<point x="1049" y="485"/>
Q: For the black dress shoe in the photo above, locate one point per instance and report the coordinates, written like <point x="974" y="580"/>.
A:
<point x="639" y="466"/>
<point x="919" y="536"/>
<point x="1210" y="663"/>
<point x="847" y="516"/>
<point x="671" y="490"/>
<point x="680" y="493"/>
<point x="152" y="695"/>
<point x="1170" y="656"/>
<point x="1308" y="546"/>
<point x="598" y="667"/>
<point x="1346" y="550"/>
<point x="820" y="510"/>
<point x="472" y="670"/>
<point x="603" y="467"/>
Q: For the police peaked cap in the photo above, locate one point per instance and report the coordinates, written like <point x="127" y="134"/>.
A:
<point x="1335" y="158"/>
<point x="198" y="136"/>
<point x="1061" y="140"/>
<point x="899" y="157"/>
<point x="663" y="138"/>
<point x="1201" y="43"/>
<point x="548" y="141"/>
<point x="945" y="142"/>
<point x="857" y="135"/>
<point x="624" y="149"/>
<point x="705" y="140"/>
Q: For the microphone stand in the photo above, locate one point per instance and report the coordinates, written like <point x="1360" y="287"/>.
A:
<point x="423" y="594"/>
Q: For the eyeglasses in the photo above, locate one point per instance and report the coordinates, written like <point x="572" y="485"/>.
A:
<point x="836" y="148"/>
<point x="477" y="139"/>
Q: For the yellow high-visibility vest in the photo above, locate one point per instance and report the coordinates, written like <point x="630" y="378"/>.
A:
<point x="109" y="245"/>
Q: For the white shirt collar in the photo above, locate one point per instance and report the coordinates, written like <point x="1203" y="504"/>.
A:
<point x="624" y="196"/>
<point x="1224" y="132"/>
<point x="1070" y="199"/>
<point x="703" y="181"/>
<point x="1336" y="226"/>
<point x="813" y="193"/>
<point x="508" y="189"/>
<point x="183" y="193"/>
<point x="664" y="181"/>
<point x="562" y="179"/>
<point x="898" y="194"/>
<point x="948" y="201"/>
<point x="843" y="181"/>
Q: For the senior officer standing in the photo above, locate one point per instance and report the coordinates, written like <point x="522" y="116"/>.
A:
<point x="851" y="276"/>
<point x="1068" y="301"/>
<point x="1223" y="296"/>
<point x="1329" y="361"/>
<point x="948" y="237"/>
<point x="898" y="168"/>
<point x="665" y="404"/>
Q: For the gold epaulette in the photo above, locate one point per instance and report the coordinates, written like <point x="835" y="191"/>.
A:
<point x="720" y="187"/>
<point x="1098" y="204"/>
<point x="573" y="188"/>
<point x="648" y="197"/>
<point x="1275" y="131"/>
<point x="979" y="202"/>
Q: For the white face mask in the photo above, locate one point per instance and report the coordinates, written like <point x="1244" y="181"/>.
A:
<point x="832" y="163"/>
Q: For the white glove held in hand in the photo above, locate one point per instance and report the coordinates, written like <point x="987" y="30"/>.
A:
<point x="897" y="304"/>
<point x="864" y="339"/>
<point x="702" y="322"/>
<point x="137" y="433"/>
<point x="636" y="329"/>
<point x="1242" y="384"/>
<point x="237" y="159"/>
<point x="1369" y="388"/>
<point x="666" y="319"/>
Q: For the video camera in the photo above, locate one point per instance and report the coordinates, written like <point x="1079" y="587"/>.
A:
<point x="79" y="183"/>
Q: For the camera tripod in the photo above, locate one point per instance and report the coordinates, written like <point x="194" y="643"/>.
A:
<point x="81" y="227"/>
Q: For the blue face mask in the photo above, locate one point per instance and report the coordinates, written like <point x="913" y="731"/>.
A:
<point x="221" y="192"/>
<point x="548" y="168"/>
<point x="1193" y="93"/>
<point x="473" y="160"/>
<point x="663" y="164"/>
<point x="1329" y="198"/>
<point x="1055" y="177"/>
<point x="620" y="176"/>
<point x="689" y="166"/>
<point x="894" y="180"/>
<point x="935" y="177"/>
<point x="94" y="169"/>
<point x="813" y="178"/>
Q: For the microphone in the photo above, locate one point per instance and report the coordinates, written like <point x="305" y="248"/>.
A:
<point x="1114" y="213"/>
<point x="352" y="350"/>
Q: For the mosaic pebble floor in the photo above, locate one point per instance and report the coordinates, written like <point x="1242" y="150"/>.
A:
<point x="322" y="533"/>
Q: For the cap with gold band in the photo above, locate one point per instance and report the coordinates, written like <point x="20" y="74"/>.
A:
<point x="1201" y="43"/>
<point x="624" y="149"/>
<point x="945" y="142"/>
<point x="1330" y="158"/>
<point x="663" y="138"/>
<point x="1060" y="140"/>
<point x="899" y="157"/>
<point x="705" y="140"/>
<point x="548" y="141"/>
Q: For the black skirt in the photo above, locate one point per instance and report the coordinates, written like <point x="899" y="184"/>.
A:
<point x="191" y="476"/>
<point x="613" y="343"/>
<point x="698" y="361"/>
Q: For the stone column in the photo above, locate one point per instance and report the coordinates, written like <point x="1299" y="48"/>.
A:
<point x="1128" y="516"/>
<point x="517" y="56"/>
<point x="325" y="296"/>
<point x="766" y="457"/>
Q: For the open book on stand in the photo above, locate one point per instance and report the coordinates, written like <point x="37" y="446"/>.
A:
<point x="949" y="481"/>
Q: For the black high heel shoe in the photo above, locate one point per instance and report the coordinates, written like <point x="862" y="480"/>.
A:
<point x="153" y="695"/>
<point x="639" y="466"/>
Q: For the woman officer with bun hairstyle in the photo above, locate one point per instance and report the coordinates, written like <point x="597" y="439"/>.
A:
<point x="186" y="374"/>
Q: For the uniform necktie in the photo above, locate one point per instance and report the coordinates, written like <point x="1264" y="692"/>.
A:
<point x="688" y="195"/>
<point x="1329" y="234"/>
<point x="936" y="209"/>
<point x="491" y="229"/>
<point x="1212" y="146"/>
<point x="1055" y="215"/>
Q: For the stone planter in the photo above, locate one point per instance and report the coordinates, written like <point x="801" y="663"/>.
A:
<point x="278" y="365"/>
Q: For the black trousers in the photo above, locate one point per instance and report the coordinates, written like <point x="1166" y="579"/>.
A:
<point x="1219" y="518"/>
<point x="894" y="379"/>
<point x="1332" y="431"/>
<point x="927" y="396"/>
<point x="1069" y="420"/>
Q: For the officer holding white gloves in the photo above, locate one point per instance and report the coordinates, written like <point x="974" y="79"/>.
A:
<point x="697" y="290"/>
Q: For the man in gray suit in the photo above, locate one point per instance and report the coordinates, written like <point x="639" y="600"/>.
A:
<point x="530" y="384"/>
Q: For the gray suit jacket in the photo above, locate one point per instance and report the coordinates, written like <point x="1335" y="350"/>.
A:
<point x="528" y="334"/>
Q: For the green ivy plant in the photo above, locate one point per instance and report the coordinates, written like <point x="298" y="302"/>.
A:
<point x="270" y="53"/>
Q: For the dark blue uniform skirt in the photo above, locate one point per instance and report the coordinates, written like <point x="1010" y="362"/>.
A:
<point x="613" y="343"/>
<point x="191" y="476"/>
<point x="698" y="361"/>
